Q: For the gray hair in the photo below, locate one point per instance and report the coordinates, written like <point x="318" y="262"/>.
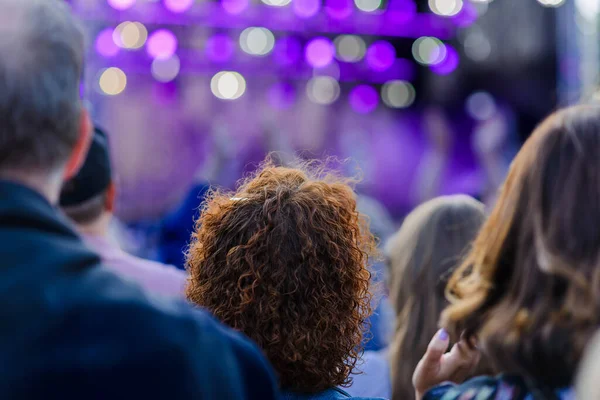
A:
<point x="41" y="63"/>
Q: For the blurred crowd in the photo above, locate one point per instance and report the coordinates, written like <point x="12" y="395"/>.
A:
<point x="293" y="285"/>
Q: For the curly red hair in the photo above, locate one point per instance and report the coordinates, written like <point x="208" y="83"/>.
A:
<point x="284" y="260"/>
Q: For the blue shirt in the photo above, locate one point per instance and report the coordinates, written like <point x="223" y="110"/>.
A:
<point x="330" y="394"/>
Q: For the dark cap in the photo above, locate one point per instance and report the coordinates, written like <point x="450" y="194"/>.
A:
<point x="94" y="177"/>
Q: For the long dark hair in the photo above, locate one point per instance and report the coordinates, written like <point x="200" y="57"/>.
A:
<point x="421" y="257"/>
<point x="530" y="287"/>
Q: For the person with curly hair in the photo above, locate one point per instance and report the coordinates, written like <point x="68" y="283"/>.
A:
<point x="528" y="293"/>
<point x="284" y="260"/>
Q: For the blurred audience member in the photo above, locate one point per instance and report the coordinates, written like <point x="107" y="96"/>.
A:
<point x="284" y="260"/>
<point x="88" y="200"/>
<point x="421" y="256"/>
<point x="71" y="329"/>
<point x="528" y="293"/>
<point x="380" y="324"/>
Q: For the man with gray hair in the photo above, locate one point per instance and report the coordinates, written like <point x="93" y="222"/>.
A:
<point x="70" y="328"/>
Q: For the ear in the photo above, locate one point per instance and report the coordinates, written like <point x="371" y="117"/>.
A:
<point x="111" y="194"/>
<point x="82" y="146"/>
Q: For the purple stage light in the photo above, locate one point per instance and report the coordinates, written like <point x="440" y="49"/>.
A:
<point x="339" y="9"/>
<point x="219" y="48"/>
<point x="282" y="96"/>
<point x="178" y="6"/>
<point x="306" y="8"/>
<point x="449" y="64"/>
<point x="161" y="44"/>
<point x="105" y="45"/>
<point x="467" y="15"/>
<point x="364" y="99"/>
<point x="381" y="55"/>
<point x="400" y="11"/>
<point x="319" y="52"/>
<point x="287" y="51"/>
<point x="121" y="4"/>
<point x="234" y="7"/>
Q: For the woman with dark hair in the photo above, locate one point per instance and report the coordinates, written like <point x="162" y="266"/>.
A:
<point x="284" y="260"/>
<point x="422" y="255"/>
<point x="528" y="294"/>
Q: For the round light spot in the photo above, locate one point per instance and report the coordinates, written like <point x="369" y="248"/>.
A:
<point x="257" y="41"/>
<point x="165" y="70"/>
<point x="381" y="55"/>
<point x="306" y="8"/>
<point x="105" y="45"/>
<point x="228" y="85"/>
<point x="234" y="7"/>
<point x="350" y="48"/>
<point x="368" y="5"/>
<point x="277" y="3"/>
<point x="178" y="6"/>
<point x="319" y="52"/>
<point x="446" y="8"/>
<point x="428" y="50"/>
<point x="130" y="35"/>
<point x="323" y="90"/>
<point x="121" y="4"/>
<point x="481" y="106"/>
<point x="398" y="94"/>
<point x="551" y="3"/>
<point x="364" y="99"/>
<point x="477" y="46"/>
<point x="112" y="81"/>
<point x="161" y="44"/>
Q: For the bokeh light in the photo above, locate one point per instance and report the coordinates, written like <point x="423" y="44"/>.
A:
<point x="449" y="64"/>
<point x="161" y="44"/>
<point x="364" y="99"/>
<point x="339" y="9"/>
<point x="551" y="3"/>
<point x="178" y="6"/>
<point x="165" y="70"/>
<point x="323" y="90"/>
<point x="350" y="48"/>
<point x="219" y="48"/>
<point x="257" y="41"/>
<point x="281" y="96"/>
<point x="112" y="81"/>
<point x="287" y="51"/>
<point x="306" y="8"/>
<point x="429" y="50"/>
<point x="446" y="8"/>
<point x="477" y="46"/>
<point x="234" y="7"/>
<point x="398" y="94"/>
<point x="368" y="5"/>
<point x="121" y="4"/>
<point x="277" y="3"/>
<point x="381" y="55"/>
<point x="319" y="52"/>
<point x="228" y="85"/>
<point x="130" y="35"/>
<point x="105" y="45"/>
<point x="481" y="106"/>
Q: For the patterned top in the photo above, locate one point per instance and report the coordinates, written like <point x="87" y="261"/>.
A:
<point x="503" y="387"/>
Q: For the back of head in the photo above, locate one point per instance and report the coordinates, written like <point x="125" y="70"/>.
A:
<point x="284" y="260"/>
<point x="530" y="287"/>
<point x="41" y="61"/>
<point x="421" y="256"/>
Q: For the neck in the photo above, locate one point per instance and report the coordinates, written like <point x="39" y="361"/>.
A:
<point x="46" y="184"/>
<point x="99" y="227"/>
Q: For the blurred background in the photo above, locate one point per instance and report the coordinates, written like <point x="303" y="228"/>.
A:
<point x="424" y="97"/>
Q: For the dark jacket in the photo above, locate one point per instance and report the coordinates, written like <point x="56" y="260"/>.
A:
<point x="70" y="329"/>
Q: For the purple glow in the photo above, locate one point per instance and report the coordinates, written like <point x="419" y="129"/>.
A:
<point x="219" y="48"/>
<point x="287" y="51"/>
<point x="234" y="7"/>
<point x="467" y="15"/>
<point x="121" y="4"/>
<point x="282" y="96"/>
<point x="161" y="44"/>
<point x="179" y="6"/>
<point x="105" y="45"/>
<point x="319" y="52"/>
<point x="364" y="99"/>
<point x="339" y="9"/>
<point x="401" y="11"/>
<point x="306" y="8"/>
<point x="381" y="55"/>
<point x="449" y="63"/>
